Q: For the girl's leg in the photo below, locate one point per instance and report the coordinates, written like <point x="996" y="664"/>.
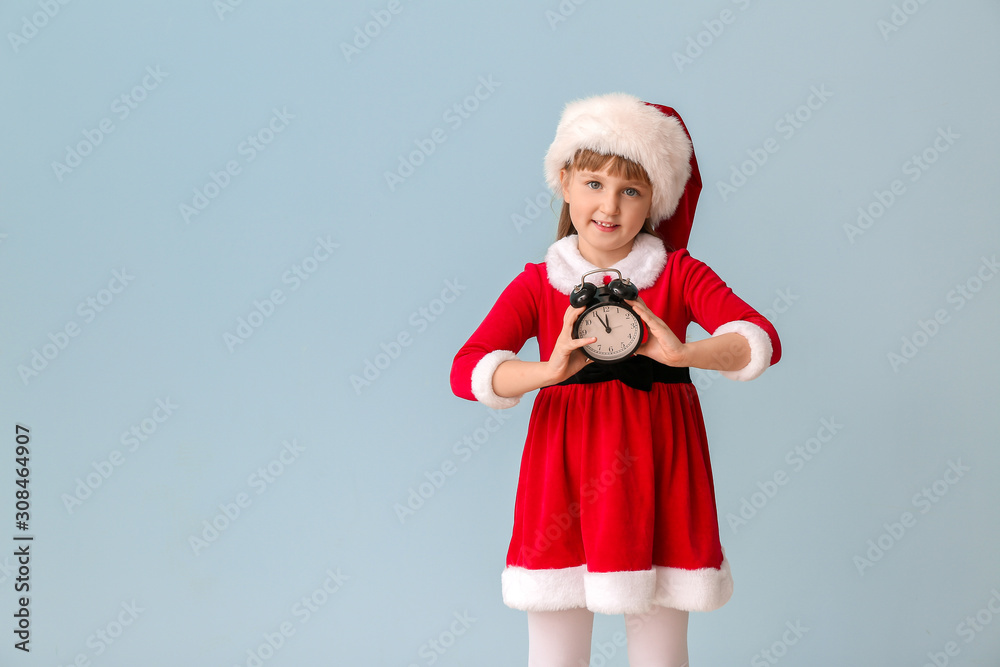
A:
<point x="657" y="638"/>
<point x="560" y="638"/>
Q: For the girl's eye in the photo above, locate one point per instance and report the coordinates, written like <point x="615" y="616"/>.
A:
<point x="631" y="192"/>
<point x="593" y="185"/>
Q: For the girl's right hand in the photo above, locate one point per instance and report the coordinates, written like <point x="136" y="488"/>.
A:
<point x="567" y="358"/>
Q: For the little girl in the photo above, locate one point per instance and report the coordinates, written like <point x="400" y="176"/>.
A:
<point x="615" y="510"/>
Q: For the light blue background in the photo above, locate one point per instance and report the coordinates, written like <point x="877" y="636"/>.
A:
<point x="779" y="239"/>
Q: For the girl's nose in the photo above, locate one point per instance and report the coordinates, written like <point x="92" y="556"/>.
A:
<point x="609" y="203"/>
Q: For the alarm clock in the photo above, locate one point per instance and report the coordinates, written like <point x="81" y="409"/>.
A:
<point x="618" y="329"/>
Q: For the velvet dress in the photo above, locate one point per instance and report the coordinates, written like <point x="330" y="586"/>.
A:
<point x="615" y="507"/>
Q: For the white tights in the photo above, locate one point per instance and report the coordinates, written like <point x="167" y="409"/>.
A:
<point x="657" y="638"/>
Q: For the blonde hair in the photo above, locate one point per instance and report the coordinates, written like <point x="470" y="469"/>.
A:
<point x="618" y="166"/>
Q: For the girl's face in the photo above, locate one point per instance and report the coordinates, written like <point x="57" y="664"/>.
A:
<point x="607" y="211"/>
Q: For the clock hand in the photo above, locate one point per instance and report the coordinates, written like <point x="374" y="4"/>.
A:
<point x="607" y="327"/>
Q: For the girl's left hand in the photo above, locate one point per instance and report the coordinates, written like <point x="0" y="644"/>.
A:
<point x="662" y="344"/>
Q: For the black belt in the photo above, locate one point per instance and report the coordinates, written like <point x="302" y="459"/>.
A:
<point x="638" y="372"/>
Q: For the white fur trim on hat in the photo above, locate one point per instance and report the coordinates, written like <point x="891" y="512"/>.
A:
<point x="621" y="124"/>
<point x="643" y="265"/>
<point x="760" y="349"/>
<point x="628" y="592"/>
<point x="482" y="380"/>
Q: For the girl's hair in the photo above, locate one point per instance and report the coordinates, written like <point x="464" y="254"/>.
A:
<point x="618" y="166"/>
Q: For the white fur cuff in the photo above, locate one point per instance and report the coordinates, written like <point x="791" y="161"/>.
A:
<point x="760" y="349"/>
<point x="482" y="381"/>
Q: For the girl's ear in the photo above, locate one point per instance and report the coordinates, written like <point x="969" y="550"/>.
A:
<point x="564" y="178"/>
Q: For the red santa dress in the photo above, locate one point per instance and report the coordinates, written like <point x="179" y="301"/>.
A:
<point x="615" y="508"/>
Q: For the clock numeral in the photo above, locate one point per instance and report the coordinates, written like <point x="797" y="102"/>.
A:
<point x="607" y="309"/>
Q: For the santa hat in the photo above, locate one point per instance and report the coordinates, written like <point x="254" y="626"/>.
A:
<point x="651" y="135"/>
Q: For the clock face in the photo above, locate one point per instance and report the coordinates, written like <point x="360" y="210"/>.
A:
<point x="617" y="328"/>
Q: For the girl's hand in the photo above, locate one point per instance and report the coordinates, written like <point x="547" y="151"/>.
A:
<point x="662" y="344"/>
<point x="514" y="377"/>
<point x="567" y="358"/>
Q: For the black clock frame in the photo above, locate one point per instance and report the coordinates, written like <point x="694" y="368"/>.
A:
<point x="594" y="297"/>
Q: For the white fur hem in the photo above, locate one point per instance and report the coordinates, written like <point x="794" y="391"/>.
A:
<point x="620" y="592"/>
<point x="482" y="380"/>
<point x="643" y="265"/>
<point x="633" y="592"/>
<point x="694" y="590"/>
<point x="760" y="349"/>
<point x="544" y="590"/>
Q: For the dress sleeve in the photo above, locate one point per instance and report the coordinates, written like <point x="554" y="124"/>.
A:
<point x="714" y="306"/>
<point x="509" y="324"/>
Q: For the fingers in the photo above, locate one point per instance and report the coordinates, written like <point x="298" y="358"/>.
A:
<point x="570" y="316"/>
<point x="645" y="313"/>
<point x="639" y="306"/>
<point x="662" y="345"/>
<point x="566" y="342"/>
<point x="654" y="323"/>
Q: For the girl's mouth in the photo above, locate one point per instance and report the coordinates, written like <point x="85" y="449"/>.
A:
<point x="605" y="226"/>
